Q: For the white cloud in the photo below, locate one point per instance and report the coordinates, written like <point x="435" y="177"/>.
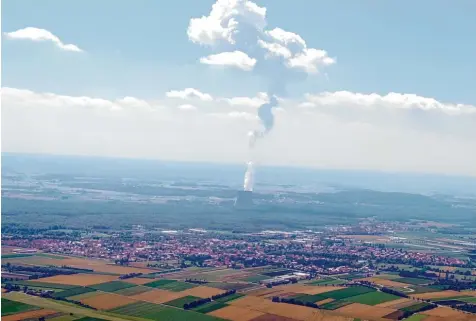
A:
<point x="397" y="132"/>
<point x="257" y="101"/>
<point x="187" y="107"/>
<point x="37" y="34"/>
<point x="237" y="59"/>
<point x="241" y="24"/>
<point x="189" y="93"/>
<point x="223" y="22"/>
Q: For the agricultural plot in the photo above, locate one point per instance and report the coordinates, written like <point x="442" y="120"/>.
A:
<point x="107" y="301"/>
<point x="210" y="307"/>
<point x="159" y="283"/>
<point x="235" y="313"/>
<point x="29" y="315"/>
<point x="415" y="281"/>
<point x="230" y="286"/>
<point x="385" y="282"/>
<point x="327" y="281"/>
<point x="277" y="272"/>
<point x="90" y="319"/>
<point x="437" y="295"/>
<point x="202" y="291"/>
<point x="255" y="278"/>
<point x="112" y="286"/>
<point x="347" y="292"/>
<point x="416" y="317"/>
<point x="415" y="307"/>
<point x="13" y="307"/>
<point x="159" y="312"/>
<point x="171" y="285"/>
<point x="364" y="311"/>
<point x="335" y="305"/>
<point x="229" y="298"/>
<point x="137" y="281"/>
<point x="373" y="298"/>
<point x="45" y="285"/>
<point x="78" y="279"/>
<point x="309" y="298"/>
<point x="157" y="296"/>
<point x="72" y="292"/>
<point x="133" y="290"/>
<point x="180" y="302"/>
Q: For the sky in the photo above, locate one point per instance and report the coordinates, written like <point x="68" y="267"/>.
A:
<point x="380" y="85"/>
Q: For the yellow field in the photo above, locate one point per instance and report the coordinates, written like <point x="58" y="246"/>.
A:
<point x="29" y="315"/>
<point x="396" y="304"/>
<point x="435" y="295"/>
<point x="446" y="313"/>
<point x="158" y="296"/>
<point x="282" y="309"/>
<point x="324" y="301"/>
<point x="365" y="311"/>
<point x="107" y="301"/>
<point x="293" y="288"/>
<point x="202" y="291"/>
<point x="79" y="279"/>
<point x="235" y="313"/>
<point x="385" y="282"/>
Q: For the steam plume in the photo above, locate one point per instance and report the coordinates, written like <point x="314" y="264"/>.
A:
<point x="249" y="176"/>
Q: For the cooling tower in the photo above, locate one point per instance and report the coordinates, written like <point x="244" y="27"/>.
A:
<point x="244" y="199"/>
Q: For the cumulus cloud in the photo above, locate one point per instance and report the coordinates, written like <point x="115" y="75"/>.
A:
<point x="255" y="102"/>
<point x="397" y="132"/>
<point x="37" y="34"/>
<point x="189" y="93"/>
<point x="241" y="24"/>
<point x="235" y="58"/>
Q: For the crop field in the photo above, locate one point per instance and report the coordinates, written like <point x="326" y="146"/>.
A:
<point x="272" y="317"/>
<point x="335" y="305"/>
<point x="327" y="281"/>
<point x="112" y="286"/>
<point x="107" y="301"/>
<point x="12" y="307"/>
<point x="309" y="297"/>
<point x="171" y="285"/>
<point x="397" y="304"/>
<point x="364" y="311"/>
<point x="202" y="291"/>
<point x="133" y="290"/>
<point x="179" y="303"/>
<point x="448" y="314"/>
<point x="79" y="279"/>
<point x="72" y="292"/>
<point x="157" y="296"/>
<point x="255" y="278"/>
<point x="210" y="307"/>
<point x="348" y="292"/>
<point x="34" y="314"/>
<point x="415" y="281"/>
<point x="80" y="297"/>
<point x="236" y="313"/>
<point x="230" y="286"/>
<point x="373" y="298"/>
<point x="385" y="282"/>
<point x="137" y="281"/>
<point x="415" y="307"/>
<point x="45" y="285"/>
<point x="159" y="312"/>
<point x="322" y="302"/>
<point x="437" y="295"/>
<point x="416" y="317"/>
<point x="229" y="298"/>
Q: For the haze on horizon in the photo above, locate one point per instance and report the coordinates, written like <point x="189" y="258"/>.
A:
<point x="379" y="90"/>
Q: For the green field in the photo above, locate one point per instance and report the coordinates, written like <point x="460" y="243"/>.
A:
<point x="159" y="283"/>
<point x="51" y="256"/>
<point x="171" y="285"/>
<point x="327" y="281"/>
<point x="255" y="278"/>
<point x="209" y="307"/>
<point x="229" y="298"/>
<point x="415" y="307"/>
<point x="44" y="284"/>
<point x="347" y="292"/>
<point x="309" y="297"/>
<point x="416" y="317"/>
<point x="352" y="276"/>
<point x="90" y="319"/>
<point x="72" y="292"/>
<point x="15" y="255"/>
<point x="160" y="312"/>
<point x="179" y="303"/>
<point x="14" y="307"/>
<point x="415" y="281"/>
<point x="373" y="298"/>
<point x="65" y="317"/>
<point x="112" y="286"/>
<point x="133" y="290"/>
<point x="471" y="299"/>
<point x="335" y="305"/>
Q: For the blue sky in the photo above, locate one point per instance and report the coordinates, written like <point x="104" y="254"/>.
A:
<point x="140" y="48"/>
<point x="380" y="85"/>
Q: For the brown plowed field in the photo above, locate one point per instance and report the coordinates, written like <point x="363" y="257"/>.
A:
<point x="386" y="282"/>
<point x="434" y="295"/>
<point x="364" y="311"/>
<point x="202" y="291"/>
<point x="79" y="279"/>
<point x="158" y="296"/>
<point x="235" y="313"/>
<point x="397" y="304"/>
<point x="107" y="301"/>
<point x="29" y="315"/>
<point x="449" y="314"/>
